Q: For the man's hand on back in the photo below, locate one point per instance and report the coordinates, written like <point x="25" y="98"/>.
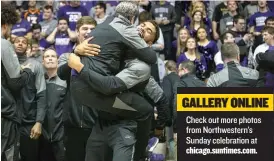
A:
<point x="86" y="49"/>
<point x="74" y="62"/>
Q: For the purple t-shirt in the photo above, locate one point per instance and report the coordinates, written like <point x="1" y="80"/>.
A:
<point x="201" y="66"/>
<point x="258" y="19"/>
<point x="21" y="28"/>
<point x="269" y="77"/>
<point x="209" y="52"/>
<point x="43" y="44"/>
<point x="63" y="43"/>
<point x="73" y="14"/>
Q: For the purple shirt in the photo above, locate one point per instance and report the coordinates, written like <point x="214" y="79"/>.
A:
<point x="63" y="43"/>
<point x="209" y="52"/>
<point x="258" y="19"/>
<point x="193" y="32"/>
<point x="21" y="28"/>
<point x="43" y="44"/>
<point x="73" y="14"/>
<point x="269" y="77"/>
<point x="201" y="66"/>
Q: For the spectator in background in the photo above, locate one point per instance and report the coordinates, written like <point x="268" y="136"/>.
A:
<point x="73" y="12"/>
<point x="179" y="45"/>
<point x="250" y="9"/>
<point x="53" y="147"/>
<point x="242" y="38"/>
<point x="197" y="21"/>
<point x="258" y="40"/>
<point x="227" y="37"/>
<point x="207" y="48"/>
<point x="49" y="23"/>
<point x="268" y="36"/>
<point x="211" y="7"/>
<point x="226" y="22"/>
<point x="196" y="6"/>
<point x="218" y="13"/>
<point x="233" y="74"/>
<point x="32" y="105"/>
<point x="32" y="15"/>
<point x="186" y="72"/>
<point x="22" y="27"/>
<point x="36" y="35"/>
<point x="257" y="20"/>
<point x="54" y="5"/>
<point x="100" y="12"/>
<point x="191" y="53"/>
<point x="62" y="37"/>
<point x="165" y="16"/>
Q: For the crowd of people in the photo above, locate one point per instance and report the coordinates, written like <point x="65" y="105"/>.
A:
<point x="97" y="80"/>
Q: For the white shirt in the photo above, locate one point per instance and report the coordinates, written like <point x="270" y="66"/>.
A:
<point x="260" y="49"/>
<point x="218" y="58"/>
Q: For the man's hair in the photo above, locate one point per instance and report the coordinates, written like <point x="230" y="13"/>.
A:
<point x="189" y="65"/>
<point x="171" y="65"/>
<point x="127" y="9"/>
<point x="85" y="20"/>
<point x="36" y="26"/>
<point x="224" y="36"/>
<point x="157" y="29"/>
<point x="271" y="18"/>
<point x="230" y="51"/>
<point x="63" y="18"/>
<point x="8" y="14"/>
<point x="144" y="16"/>
<point x="237" y="18"/>
<point x="47" y="7"/>
<point x="50" y="48"/>
<point x="102" y="5"/>
<point x="268" y="29"/>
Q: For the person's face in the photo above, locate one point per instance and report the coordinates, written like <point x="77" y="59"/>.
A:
<point x="84" y="31"/>
<point x="201" y="33"/>
<point x="50" y="60"/>
<point x="191" y="44"/>
<point x="34" y="48"/>
<point x="240" y="25"/>
<point x="197" y="16"/>
<point x="148" y="32"/>
<point x="267" y="38"/>
<point x="36" y="33"/>
<point x="270" y="23"/>
<point x="232" y="6"/>
<point x="198" y="7"/>
<point x="229" y="38"/>
<point x="47" y="14"/>
<point x="21" y="45"/>
<point x="32" y="3"/>
<point x="63" y="25"/>
<point x="98" y="10"/>
<point x="262" y="3"/>
<point x="50" y="2"/>
<point x="75" y="3"/>
<point x="183" y="35"/>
